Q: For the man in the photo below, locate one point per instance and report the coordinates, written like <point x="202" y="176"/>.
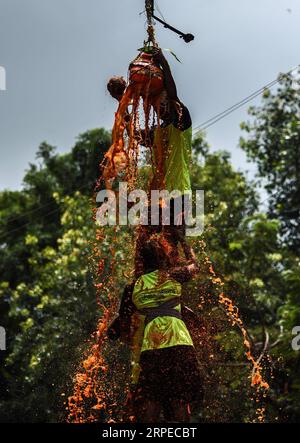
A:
<point x="171" y="141"/>
<point x="151" y="319"/>
<point x="176" y="132"/>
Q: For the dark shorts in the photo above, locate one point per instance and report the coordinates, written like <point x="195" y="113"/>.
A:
<point x="168" y="374"/>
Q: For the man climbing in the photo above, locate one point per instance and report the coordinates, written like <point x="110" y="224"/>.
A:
<point x="165" y="373"/>
<point x="171" y="140"/>
<point x="171" y="143"/>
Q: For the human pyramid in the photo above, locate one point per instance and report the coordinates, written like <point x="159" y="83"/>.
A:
<point x="165" y="376"/>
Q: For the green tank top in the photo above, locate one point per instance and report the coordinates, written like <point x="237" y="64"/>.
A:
<point x="177" y="146"/>
<point x="164" y="330"/>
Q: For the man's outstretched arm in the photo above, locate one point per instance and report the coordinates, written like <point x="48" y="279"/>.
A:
<point x="168" y="77"/>
<point x="183" y="119"/>
<point x="120" y="327"/>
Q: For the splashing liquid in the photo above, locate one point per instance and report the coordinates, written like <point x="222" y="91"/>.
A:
<point x="232" y="313"/>
<point x="145" y="91"/>
<point x="93" y="388"/>
<point x="96" y="385"/>
<point x="94" y="393"/>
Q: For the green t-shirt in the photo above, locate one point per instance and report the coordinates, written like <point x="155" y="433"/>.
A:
<point x="176" y="146"/>
<point x="162" y="331"/>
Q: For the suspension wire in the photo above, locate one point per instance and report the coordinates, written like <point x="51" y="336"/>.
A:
<point x="159" y="11"/>
<point x="149" y="7"/>
<point x="216" y="118"/>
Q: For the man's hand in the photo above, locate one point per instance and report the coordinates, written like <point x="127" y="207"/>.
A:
<point x="114" y="330"/>
<point x="170" y="86"/>
<point x="159" y="57"/>
<point x="179" y="234"/>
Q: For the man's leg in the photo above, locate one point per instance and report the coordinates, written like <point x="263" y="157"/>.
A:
<point x="180" y="411"/>
<point x="177" y="215"/>
<point x="148" y="412"/>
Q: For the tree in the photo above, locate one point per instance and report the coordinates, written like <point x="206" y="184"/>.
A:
<point x="244" y="246"/>
<point x="47" y="295"/>
<point x="44" y="271"/>
<point x="273" y="142"/>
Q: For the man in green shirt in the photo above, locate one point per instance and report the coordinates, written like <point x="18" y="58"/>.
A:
<point x="170" y="143"/>
<point x="172" y="138"/>
<point x="165" y="374"/>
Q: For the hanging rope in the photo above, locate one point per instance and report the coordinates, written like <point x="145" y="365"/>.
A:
<point x="150" y="12"/>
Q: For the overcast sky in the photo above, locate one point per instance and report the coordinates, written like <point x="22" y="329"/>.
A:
<point x="58" y="55"/>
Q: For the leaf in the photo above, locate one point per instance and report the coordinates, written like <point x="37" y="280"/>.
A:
<point x="173" y="53"/>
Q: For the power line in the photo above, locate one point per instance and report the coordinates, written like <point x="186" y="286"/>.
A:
<point x="53" y="211"/>
<point x="31" y="211"/>
<point x="28" y="223"/>
<point x="232" y="108"/>
<point x="159" y="11"/>
<point x="216" y="118"/>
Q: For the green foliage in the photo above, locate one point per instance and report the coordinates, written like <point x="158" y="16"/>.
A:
<point x="273" y="142"/>
<point x="47" y="297"/>
<point x="50" y="315"/>
<point x="244" y="246"/>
